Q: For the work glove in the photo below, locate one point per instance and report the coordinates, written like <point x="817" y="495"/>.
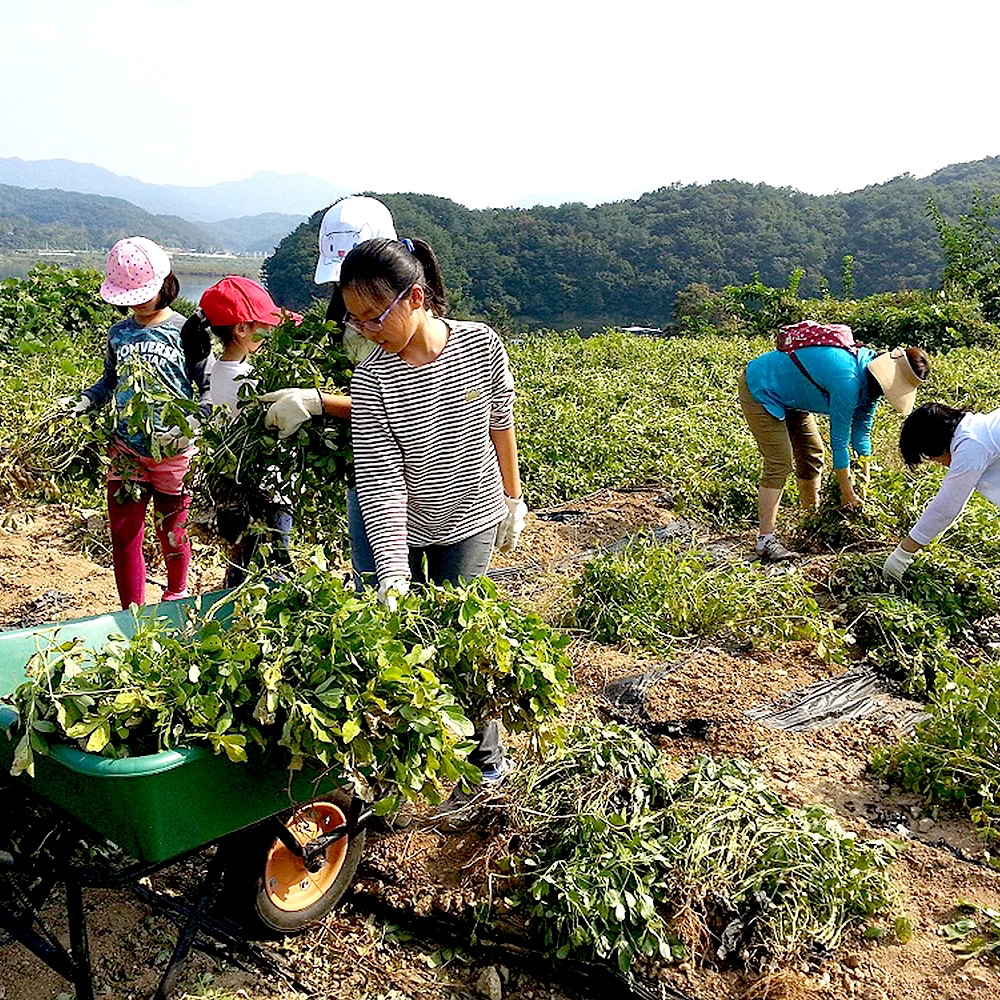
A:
<point x="75" y="404"/>
<point x="897" y="563"/>
<point x="291" y="408"/>
<point x="391" y="590"/>
<point x="512" y="525"/>
<point x="174" y="440"/>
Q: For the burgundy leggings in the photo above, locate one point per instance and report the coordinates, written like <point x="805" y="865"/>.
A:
<point x="128" y="522"/>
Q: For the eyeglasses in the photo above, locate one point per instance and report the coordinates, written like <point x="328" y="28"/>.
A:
<point x="374" y="325"/>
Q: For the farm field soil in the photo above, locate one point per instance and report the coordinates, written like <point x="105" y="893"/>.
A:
<point x="426" y="873"/>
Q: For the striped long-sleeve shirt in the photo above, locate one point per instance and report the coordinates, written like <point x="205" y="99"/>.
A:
<point x="427" y="471"/>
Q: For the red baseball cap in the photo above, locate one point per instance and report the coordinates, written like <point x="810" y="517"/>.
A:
<point x="236" y="299"/>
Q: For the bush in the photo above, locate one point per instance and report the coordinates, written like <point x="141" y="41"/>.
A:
<point x="936" y="321"/>
<point x="52" y="306"/>
<point x="954" y="756"/>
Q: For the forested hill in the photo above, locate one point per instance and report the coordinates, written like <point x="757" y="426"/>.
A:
<point x="71" y="221"/>
<point x="624" y="262"/>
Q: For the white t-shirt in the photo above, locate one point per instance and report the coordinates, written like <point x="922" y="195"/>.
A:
<point x="975" y="466"/>
<point x="226" y="379"/>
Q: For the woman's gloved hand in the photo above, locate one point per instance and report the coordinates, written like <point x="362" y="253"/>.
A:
<point x="510" y="528"/>
<point x="291" y="408"/>
<point x="897" y="563"/>
<point x="391" y="590"/>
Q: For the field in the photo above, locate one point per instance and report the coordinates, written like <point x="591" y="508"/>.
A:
<point x="864" y="839"/>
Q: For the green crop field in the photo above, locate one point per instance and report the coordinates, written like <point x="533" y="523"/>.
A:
<point x="607" y="864"/>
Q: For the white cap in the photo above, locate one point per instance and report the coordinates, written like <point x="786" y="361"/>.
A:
<point x="346" y="224"/>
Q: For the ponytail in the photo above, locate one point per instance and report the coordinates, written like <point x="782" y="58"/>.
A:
<point x="195" y="340"/>
<point x="383" y="268"/>
<point x="433" y="279"/>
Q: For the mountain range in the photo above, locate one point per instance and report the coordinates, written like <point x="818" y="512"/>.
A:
<point x="265" y="193"/>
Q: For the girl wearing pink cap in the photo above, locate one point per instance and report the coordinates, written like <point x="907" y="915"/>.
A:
<point x="145" y="465"/>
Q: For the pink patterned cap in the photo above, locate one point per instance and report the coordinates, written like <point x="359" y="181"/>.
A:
<point x="135" y="272"/>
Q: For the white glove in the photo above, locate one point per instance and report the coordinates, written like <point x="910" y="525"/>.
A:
<point x="175" y="440"/>
<point x="75" y="404"/>
<point x="510" y="528"/>
<point x="391" y="590"/>
<point x="291" y="408"/>
<point x="897" y="563"/>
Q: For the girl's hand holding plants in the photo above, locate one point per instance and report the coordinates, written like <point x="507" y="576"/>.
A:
<point x="391" y="590"/>
<point x="177" y="439"/>
<point x="75" y="406"/>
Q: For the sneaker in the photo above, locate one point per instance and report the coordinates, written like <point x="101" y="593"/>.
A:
<point x="169" y="595"/>
<point x="773" y="551"/>
<point x="461" y="799"/>
<point x="498" y="774"/>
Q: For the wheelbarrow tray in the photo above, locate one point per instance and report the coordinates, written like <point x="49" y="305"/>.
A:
<point x="157" y="806"/>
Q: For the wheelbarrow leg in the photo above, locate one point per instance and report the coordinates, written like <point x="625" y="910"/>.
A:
<point x="78" y="944"/>
<point x="188" y="933"/>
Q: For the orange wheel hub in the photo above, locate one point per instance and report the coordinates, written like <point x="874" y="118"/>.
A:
<point x="289" y="884"/>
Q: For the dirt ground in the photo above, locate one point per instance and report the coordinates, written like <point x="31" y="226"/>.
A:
<point x="427" y="874"/>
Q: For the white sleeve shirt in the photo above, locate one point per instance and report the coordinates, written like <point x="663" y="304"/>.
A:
<point x="975" y="466"/>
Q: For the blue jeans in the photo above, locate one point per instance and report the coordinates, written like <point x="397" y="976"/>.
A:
<point x="362" y="557"/>
<point x="464" y="560"/>
<point x="277" y="520"/>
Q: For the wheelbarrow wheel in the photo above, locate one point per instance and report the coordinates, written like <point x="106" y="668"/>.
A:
<point x="269" y="890"/>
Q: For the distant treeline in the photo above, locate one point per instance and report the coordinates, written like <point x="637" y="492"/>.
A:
<point x="67" y="220"/>
<point x="626" y="261"/>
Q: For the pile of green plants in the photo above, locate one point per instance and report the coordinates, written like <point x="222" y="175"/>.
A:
<point x="648" y="595"/>
<point x="953" y="757"/>
<point x="908" y="631"/>
<point x="834" y="528"/>
<point x="310" y="467"/>
<point x="624" y="862"/>
<point x="329" y="676"/>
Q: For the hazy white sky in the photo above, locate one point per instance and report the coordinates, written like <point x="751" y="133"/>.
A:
<point x="490" y="104"/>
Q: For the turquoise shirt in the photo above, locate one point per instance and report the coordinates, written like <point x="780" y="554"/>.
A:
<point x="778" y="385"/>
<point x="157" y="348"/>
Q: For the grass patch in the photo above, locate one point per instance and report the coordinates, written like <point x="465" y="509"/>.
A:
<point x="648" y="595"/>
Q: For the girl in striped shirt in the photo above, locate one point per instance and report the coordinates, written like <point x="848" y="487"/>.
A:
<point x="432" y="409"/>
<point x="432" y="413"/>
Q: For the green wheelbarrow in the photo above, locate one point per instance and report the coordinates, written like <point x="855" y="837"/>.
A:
<point x="286" y="846"/>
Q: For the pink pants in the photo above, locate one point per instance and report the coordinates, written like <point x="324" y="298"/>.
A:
<point x="128" y="523"/>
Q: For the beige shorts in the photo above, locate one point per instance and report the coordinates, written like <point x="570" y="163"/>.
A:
<point x="779" y="441"/>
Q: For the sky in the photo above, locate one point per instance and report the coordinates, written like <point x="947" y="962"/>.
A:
<point x="519" y="102"/>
